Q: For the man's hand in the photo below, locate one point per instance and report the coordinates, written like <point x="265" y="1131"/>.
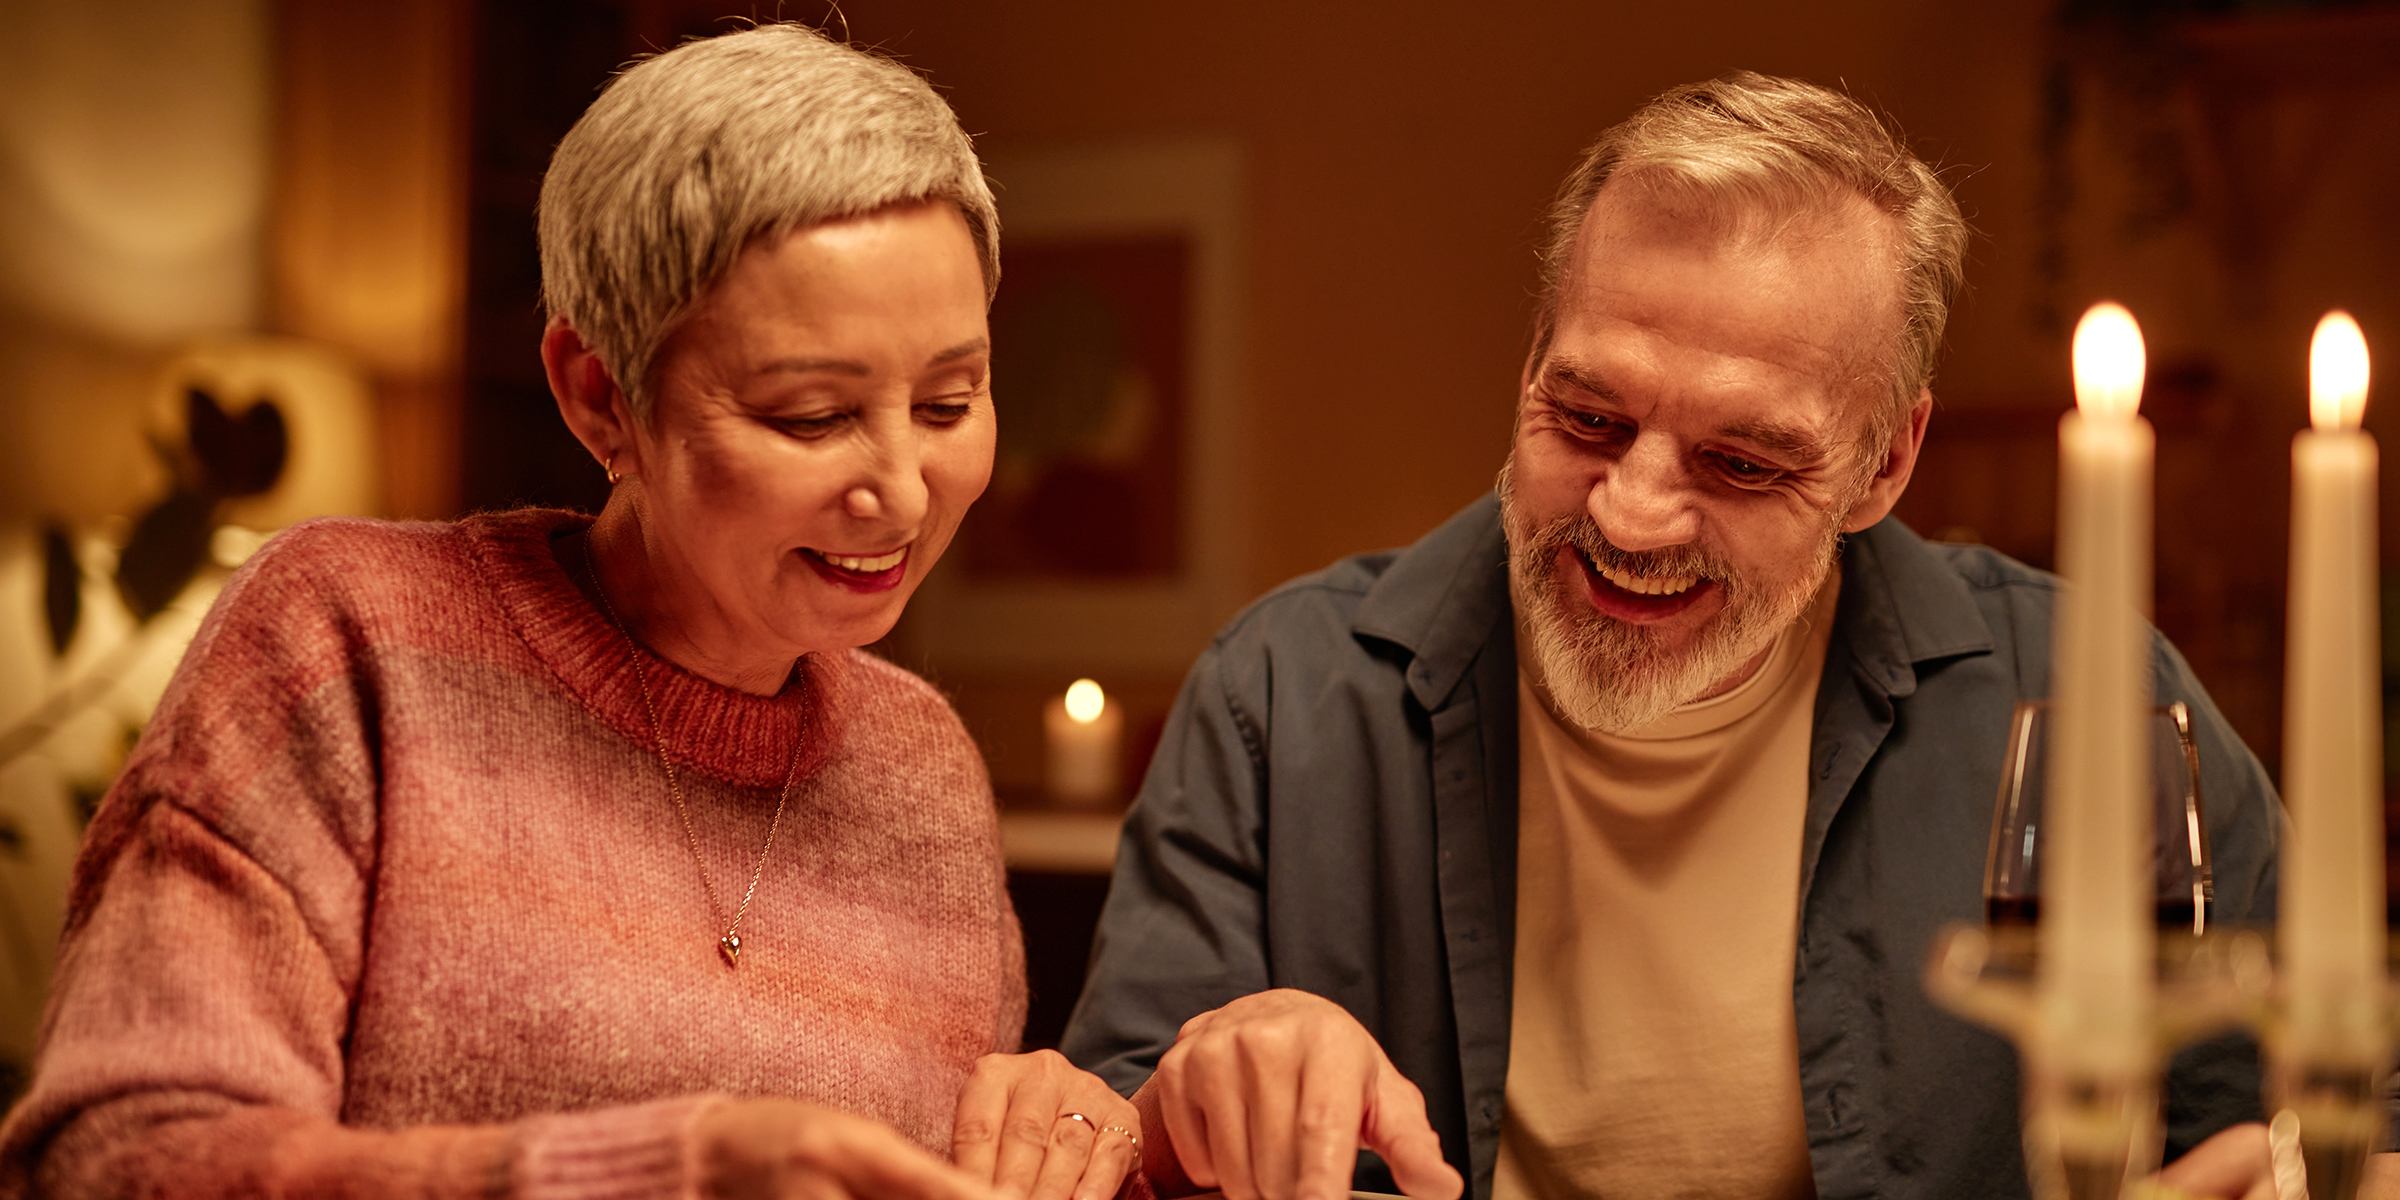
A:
<point x="2233" y="1164"/>
<point x="2237" y="1164"/>
<point x="775" y="1149"/>
<point x="1271" y="1097"/>
<point x="1014" y="1130"/>
<point x="2383" y="1178"/>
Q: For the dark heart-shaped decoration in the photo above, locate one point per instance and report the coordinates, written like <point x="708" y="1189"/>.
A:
<point x="168" y="545"/>
<point x="228" y="457"/>
<point x="237" y="456"/>
<point x="62" y="588"/>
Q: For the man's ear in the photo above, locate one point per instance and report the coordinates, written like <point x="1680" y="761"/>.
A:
<point x="594" y="407"/>
<point x="1525" y="378"/>
<point x="1544" y="330"/>
<point x="1891" y="476"/>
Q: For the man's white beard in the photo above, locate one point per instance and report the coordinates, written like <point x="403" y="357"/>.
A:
<point x="1613" y="676"/>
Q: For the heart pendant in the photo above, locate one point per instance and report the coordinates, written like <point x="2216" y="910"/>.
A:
<point x="731" y="947"/>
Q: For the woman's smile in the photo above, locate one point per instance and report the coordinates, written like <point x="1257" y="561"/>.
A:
<point x="860" y="573"/>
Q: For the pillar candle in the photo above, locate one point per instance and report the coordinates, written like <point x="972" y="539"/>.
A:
<point x="1082" y="730"/>
<point x="2331" y="927"/>
<point x="2097" y="877"/>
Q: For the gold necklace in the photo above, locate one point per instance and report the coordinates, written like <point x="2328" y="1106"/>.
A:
<point x="730" y="945"/>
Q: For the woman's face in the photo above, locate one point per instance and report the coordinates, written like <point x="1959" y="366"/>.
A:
<point x="818" y="426"/>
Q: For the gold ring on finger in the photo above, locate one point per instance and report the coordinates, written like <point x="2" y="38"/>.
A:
<point x="1128" y="1134"/>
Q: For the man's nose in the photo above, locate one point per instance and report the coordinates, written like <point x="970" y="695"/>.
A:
<point x="1645" y="500"/>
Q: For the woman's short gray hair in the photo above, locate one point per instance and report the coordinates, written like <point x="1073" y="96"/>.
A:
<point x="691" y="155"/>
<point x="1749" y="141"/>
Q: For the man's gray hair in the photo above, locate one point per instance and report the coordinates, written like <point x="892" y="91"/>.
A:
<point x="690" y="156"/>
<point x="1747" y="142"/>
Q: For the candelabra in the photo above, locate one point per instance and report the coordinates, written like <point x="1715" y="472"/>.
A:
<point x="2328" y="1050"/>
<point x="2092" y="1072"/>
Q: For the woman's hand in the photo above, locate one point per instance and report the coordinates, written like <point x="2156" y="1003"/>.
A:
<point x="1018" y="1129"/>
<point x="776" y="1149"/>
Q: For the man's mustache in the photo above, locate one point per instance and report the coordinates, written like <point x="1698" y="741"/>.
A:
<point x="1581" y="532"/>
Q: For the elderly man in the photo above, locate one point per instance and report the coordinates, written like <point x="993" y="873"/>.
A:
<point x="1591" y="846"/>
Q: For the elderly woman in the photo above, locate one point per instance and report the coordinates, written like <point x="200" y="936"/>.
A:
<point x="551" y="856"/>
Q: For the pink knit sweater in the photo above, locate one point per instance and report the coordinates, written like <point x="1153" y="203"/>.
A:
<point x="391" y="899"/>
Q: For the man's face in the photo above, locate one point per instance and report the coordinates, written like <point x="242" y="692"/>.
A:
<point x="1688" y="447"/>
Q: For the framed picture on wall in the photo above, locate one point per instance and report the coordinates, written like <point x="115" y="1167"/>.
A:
<point x="1109" y="538"/>
<point x="1093" y="345"/>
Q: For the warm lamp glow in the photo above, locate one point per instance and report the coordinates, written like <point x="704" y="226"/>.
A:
<point x="1085" y="700"/>
<point x="2108" y="362"/>
<point x="2337" y="373"/>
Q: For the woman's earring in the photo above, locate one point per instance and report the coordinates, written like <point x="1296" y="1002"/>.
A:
<point x="609" y="469"/>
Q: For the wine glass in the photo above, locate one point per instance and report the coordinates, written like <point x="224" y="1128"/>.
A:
<point x="2117" y="1115"/>
<point x="2185" y="891"/>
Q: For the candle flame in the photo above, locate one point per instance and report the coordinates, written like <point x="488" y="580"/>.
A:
<point x="2108" y="362"/>
<point x="2337" y="373"/>
<point x="1085" y="701"/>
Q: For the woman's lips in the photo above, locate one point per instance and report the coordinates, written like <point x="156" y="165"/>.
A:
<point x="1638" y="607"/>
<point x="860" y="572"/>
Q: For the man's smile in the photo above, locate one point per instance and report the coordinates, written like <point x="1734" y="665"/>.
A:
<point x="1638" y="599"/>
<point x="1662" y="585"/>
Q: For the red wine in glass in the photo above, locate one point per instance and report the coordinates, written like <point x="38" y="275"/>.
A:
<point x="2025" y="912"/>
<point x="2012" y="872"/>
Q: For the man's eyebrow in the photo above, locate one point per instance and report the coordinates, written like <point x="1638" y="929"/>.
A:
<point x="1581" y="380"/>
<point x="1790" y="441"/>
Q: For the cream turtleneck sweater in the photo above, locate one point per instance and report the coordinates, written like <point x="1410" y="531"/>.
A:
<point x="1651" y="1049"/>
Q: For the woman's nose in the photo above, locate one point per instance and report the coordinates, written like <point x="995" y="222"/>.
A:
<point x="1644" y="500"/>
<point x="892" y="490"/>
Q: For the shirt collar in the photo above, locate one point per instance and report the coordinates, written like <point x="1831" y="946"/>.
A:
<point x="1442" y="600"/>
<point x="1444" y="597"/>
<point x="1904" y="604"/>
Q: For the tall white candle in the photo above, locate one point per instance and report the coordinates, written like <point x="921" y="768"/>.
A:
<point x="2331" y="927"/>
<point x="2097" y="878"/>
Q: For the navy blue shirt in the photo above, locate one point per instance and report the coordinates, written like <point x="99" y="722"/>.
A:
<point x="1334" y="808"/>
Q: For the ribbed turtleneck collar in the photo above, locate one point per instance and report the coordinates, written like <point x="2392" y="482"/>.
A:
<point x="718" y="731"/>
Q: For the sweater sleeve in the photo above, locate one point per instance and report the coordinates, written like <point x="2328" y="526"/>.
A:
<point x="1008" y="1032"/>
<point x="195" y="1036"/>
<point x="193" y="1048"/>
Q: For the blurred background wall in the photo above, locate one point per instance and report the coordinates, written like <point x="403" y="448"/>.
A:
<point x="227" y="296"/>
<point x="1358" y="209"/>
<point x="133" y="201"/>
